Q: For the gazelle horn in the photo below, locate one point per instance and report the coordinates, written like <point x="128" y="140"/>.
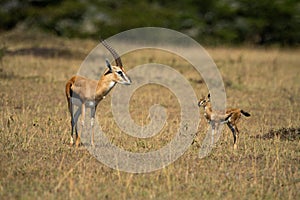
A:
<point x="113" y="52"/>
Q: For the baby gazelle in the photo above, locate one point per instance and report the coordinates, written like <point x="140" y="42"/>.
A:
<point x="231" y="118"/>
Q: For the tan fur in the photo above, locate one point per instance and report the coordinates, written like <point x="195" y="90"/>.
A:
<point x="231" y="117"/>
<point x="87" y="93"/>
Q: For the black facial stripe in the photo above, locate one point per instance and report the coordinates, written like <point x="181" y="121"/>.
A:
<point x="121" y="74"/>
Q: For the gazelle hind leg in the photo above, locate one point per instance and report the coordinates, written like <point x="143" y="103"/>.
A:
<point x="72" y="130"/>
<point x="74" y="119"/>
<point x="74" y="125"/>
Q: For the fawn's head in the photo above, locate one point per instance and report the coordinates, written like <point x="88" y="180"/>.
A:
<point x="204" y="101"/>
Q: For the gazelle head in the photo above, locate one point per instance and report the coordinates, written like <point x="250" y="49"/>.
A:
<point x="118" y="73"/>
<point x="203" y="101"/>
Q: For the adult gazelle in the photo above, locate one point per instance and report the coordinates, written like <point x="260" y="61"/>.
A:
<point x="87" y="93"/>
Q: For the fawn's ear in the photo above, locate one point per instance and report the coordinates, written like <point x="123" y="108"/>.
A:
<point x="108" y="65"/>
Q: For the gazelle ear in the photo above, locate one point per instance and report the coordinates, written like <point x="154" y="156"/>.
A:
<point x="108" y="65"/>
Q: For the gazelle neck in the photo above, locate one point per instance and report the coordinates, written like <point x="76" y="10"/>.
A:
<point x="105" y="84"/>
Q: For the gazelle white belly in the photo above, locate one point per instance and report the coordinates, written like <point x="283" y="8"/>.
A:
<point x="78" y="102"/>
<point x="90" y="104"/>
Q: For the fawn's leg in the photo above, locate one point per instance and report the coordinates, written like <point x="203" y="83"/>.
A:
<point x="234" y="134"/>
<point x="237" y="137"/>
<point x="93" y="112"/>
<point x="213" y="128"/>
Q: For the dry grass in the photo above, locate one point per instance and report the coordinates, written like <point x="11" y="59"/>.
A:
<point x="37" y="163"/>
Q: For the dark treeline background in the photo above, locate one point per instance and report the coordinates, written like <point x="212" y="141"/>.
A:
<point x="260" y="22"/>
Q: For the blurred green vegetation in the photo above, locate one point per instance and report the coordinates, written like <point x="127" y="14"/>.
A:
<point x="260" y="22"/>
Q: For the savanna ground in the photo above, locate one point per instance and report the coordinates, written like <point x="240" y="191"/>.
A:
<point x="38" y="163"/>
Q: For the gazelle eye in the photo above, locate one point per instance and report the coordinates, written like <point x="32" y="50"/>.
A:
<point x="120" y="72"/>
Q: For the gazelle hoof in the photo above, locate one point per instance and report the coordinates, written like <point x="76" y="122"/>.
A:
<point x="235" y="146"/>
<point x="78" y="143"/>
<point x="92" y="144"/>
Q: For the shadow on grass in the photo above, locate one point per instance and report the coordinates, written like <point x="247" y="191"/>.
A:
<point x="290" y="134"/>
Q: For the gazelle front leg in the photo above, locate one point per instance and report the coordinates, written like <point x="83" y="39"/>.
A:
<point x="82" y="124"/>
